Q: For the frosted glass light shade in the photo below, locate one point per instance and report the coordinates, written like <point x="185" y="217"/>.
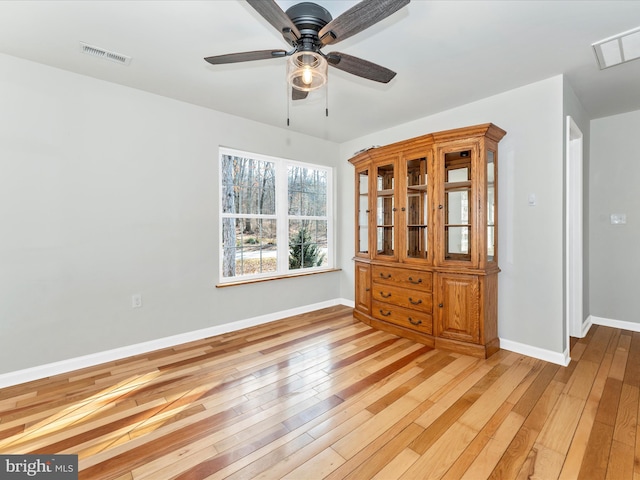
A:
<point x="306" y="71"/>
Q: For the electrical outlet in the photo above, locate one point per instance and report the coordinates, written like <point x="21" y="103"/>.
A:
<point x="136" y="300"/>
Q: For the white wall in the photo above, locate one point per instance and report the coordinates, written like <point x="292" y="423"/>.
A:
<point x="106" y="191"/>
<point x="530" y="298"/>
<point x="614" y="261"/>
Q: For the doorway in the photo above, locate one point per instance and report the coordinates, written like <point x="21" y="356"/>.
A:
<point x="574" y="231"/>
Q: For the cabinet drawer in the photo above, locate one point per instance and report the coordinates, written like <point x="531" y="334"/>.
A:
<point x="419" y="321"/>
<point x="403" y="297"/>
<point x="401" y="277"/>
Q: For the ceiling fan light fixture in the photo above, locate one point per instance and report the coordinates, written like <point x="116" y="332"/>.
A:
<point x="306" y="71"/>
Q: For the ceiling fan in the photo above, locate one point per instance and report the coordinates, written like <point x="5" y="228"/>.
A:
<point x="307" y="28"/>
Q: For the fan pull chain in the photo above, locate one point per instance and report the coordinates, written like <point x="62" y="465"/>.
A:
<point x="326" y="100"/>
<point x="286" y="89"/>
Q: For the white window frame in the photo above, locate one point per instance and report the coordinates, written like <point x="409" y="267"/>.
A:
<point x="281" y="216"/>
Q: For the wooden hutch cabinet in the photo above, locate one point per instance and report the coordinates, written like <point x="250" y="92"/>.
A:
<point x="426" y="263"/>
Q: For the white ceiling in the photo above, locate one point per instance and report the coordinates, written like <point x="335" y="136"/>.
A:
<point x="446" y="53"/>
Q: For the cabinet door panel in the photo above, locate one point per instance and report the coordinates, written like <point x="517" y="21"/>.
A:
<point x="363" y="212"/>
<point x="385" y="207"/>
<point x="417" y="205"/>
<point x="363" y="288"/>
<point x="458" y="309"/>
<point x="458" y="204"/>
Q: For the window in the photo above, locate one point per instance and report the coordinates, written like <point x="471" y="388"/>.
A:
<point x="275" y="217"/>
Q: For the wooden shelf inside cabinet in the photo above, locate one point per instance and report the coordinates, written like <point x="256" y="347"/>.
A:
<point x="452" y="186"/>
<point x="431" y="272"/>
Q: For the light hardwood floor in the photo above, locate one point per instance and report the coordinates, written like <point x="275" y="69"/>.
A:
<point x="323" y="396"/>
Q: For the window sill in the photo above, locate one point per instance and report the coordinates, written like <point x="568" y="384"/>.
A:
<point x="258" y="280"/>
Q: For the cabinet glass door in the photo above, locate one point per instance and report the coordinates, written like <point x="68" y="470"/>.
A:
<point x="491" y="206"/>
<point x="457" y="192"/>
<point x="363" y="213"/>
<point x="385" y="209"/>
<point x="417" y="208"/>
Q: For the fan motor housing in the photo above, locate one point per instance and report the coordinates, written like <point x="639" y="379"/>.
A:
<point x="309" y="16"/>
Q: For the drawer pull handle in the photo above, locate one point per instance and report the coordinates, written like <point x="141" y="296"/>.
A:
<point x="386" y="277"/>
<point x="415" y="282"/>
<point x="412" y="322"/>
<point x="385" y="295"/>
<point x="413" y="302"/>
<point x="385" y="313"/>
<point x="367" y="289"/>
<point x="441" y="305"/>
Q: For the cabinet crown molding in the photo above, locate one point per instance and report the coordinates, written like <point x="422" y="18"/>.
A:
<point x="487" y="130"/>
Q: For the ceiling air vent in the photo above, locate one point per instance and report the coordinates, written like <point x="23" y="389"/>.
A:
<point x="106" y="54"/>
<point x="618" y="49"/>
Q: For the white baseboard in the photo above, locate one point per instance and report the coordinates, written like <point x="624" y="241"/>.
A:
<point x="586" y="326"/>
<point x="564" y="358"/>
<point x="607" y="322"/>
<point x="535" y="352"/>
<point x="347" y="303"/>
<point x="65" y="366"/>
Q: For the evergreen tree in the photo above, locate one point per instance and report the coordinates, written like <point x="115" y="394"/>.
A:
<point x="303" y="253"/>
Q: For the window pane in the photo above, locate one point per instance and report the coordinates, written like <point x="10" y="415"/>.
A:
<point x="363" y="212"/>
<point x="417" y="208"/>
<point x="307" y="244"/>
<point x="491" y="206"/>
<point x="457" y="193"/>
<point x="385" y="207"/>
<point x="249" y="246"/>
<point x="307" y="191"/>
<point x="320" y="204"/>
<point x="457" y="243"/>
<point x="458" y="207"/>
<point x="248" y="186"/>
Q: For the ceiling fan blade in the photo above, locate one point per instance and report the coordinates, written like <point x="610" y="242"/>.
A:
<point x="357" y="18"/>
<point x="245" y="56"/>
<point x="273" y="14"/>
<point x="298" y="94"/>
<point x="361" y="68"/>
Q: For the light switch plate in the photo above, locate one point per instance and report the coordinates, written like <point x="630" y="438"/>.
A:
<point x="136" y="300"/>
<point x="618" y="218"/>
